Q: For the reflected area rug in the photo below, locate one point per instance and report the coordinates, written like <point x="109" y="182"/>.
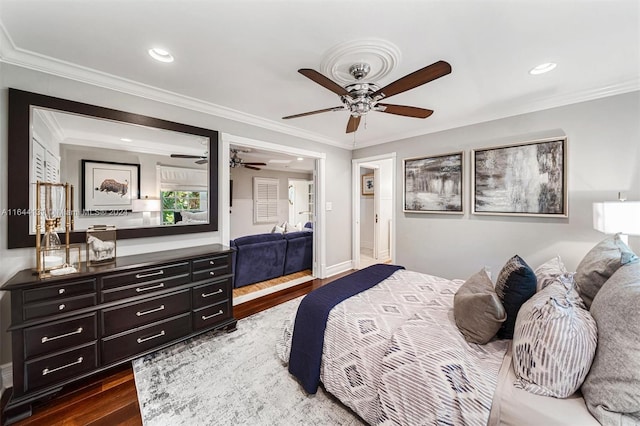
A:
<point x="232" y="379"/>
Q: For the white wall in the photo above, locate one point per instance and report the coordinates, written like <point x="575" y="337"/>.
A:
<point x="338" y="171"/>
<point x="242" y="207"/>
<point x="603" y="158"/>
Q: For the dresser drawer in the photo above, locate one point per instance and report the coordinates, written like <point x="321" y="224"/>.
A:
<point x="148" y="287"/>
<point x="37" y="310"/>
<point x="56" y="368"/>
<point x="144" y="275"/>
<point x="210" y="263"/>
<point x="210" y="293"/>
<point x="132" y="315"/>
<point x="60" y="291"/>
<point x="59" y="335"/>
<point x="212" y="273"/>
<point x="211" y="315"/>
<point x="143" y="339"/>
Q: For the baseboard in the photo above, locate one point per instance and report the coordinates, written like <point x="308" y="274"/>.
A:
<point x="6" y="377"/>
<point x="339" y="268"/>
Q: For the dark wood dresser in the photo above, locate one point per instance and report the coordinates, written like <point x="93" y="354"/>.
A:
<point x="68" y="328"/>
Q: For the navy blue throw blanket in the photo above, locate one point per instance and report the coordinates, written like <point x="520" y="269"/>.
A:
<point x="311" y="320"/>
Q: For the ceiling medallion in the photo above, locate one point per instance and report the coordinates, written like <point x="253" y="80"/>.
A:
<point x="380" y="56"/>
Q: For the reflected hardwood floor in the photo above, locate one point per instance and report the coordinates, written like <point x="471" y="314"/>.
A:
<point x="111" y="398"/>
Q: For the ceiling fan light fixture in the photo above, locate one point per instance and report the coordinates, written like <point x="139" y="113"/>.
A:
<point x="160" y="55"/>
<point x="542" y="68"/>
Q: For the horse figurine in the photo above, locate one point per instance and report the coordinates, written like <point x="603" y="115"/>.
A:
<point x="102" y="250"/>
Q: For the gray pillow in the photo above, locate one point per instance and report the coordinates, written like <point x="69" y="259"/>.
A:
<point x="612" y="388"/>
<point x="554" y="341"/>
<point x="477" y="309"/>
<point x="599" y="264"/>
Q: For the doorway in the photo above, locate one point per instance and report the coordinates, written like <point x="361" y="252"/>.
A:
<point x="373" y="210"/>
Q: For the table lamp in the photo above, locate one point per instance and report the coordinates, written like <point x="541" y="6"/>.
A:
<point x="145" y="205"/>
<point x="612" y="217"/>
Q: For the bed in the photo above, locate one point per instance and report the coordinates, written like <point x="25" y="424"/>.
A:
<point x="394" y="355"/>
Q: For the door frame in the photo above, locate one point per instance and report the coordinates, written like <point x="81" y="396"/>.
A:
<point x="319" y="239"/>
<point x="370" y="162"/>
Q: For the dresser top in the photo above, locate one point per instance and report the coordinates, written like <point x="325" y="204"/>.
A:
<point x="27" y="277"/>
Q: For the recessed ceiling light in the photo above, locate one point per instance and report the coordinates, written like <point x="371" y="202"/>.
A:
<point x="300" y="158"/>
<point x="160" y="55"/>
<point x="542" y="68"/>
<point x="126" y="140"/>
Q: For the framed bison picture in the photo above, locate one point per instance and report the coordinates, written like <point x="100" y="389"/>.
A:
<point x="109" y="187"/>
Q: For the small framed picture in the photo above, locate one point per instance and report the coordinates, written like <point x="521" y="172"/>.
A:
<point x="367" y="185"/>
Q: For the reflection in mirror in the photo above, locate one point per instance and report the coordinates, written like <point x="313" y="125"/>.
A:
<point x="147" y="176"/>
<point x="113" y="164"/>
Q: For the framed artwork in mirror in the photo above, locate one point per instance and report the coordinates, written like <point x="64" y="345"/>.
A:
<point x="433" y="184"/>
<point x="526" y="179"/>
<point x="109" y="187"/>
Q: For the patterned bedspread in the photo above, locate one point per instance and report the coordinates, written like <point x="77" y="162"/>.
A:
<point x="394" y="355"/>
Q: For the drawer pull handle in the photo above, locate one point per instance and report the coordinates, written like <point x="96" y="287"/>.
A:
<point x="61" y="291"/>
<point x="152" y="274"/>
<point x="155" y="336"/>
<point x="46" y="339"/>
<point x="61" y="307"/>
<point x="206" y="317"/>
<point x="47" y="371"/>
<point x="141" y="289"/>
<point x="212" y="273"/>
<point x="212" y="262"/>
<point x="160" y="308"/>
<point x="212" y="294"/>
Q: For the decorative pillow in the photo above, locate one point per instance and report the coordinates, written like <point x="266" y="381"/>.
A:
<point x="548" y="272"/>
<point x="612" y="388"/>
<point x="477" y="309"/>
<point x="516" y="283"/>
<point x="278" y="229"/>
<point x="554" y="341"/>
<point x="599" y="264"/>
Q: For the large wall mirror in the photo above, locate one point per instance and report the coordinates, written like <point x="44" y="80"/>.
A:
<point x="147" y="176"/>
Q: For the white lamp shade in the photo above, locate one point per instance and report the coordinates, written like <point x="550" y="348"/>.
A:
<point x="145" y="205"/>
<point x="612" y="217"/>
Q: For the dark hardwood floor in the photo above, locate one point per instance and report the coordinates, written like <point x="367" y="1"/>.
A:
<point x="111" y="398"/>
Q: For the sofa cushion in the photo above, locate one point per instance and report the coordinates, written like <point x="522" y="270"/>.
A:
<point x="599" y="264"/>
<point x="299" y="254"/>
<point x="612" y="387"/>
<point x="516" y="283"/>
<point x="477" y="310"/>
<point x="554" y="341"/>
<point x="257" y="238"/>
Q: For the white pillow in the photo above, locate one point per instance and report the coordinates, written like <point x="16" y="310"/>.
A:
<point x="554" y="341"/>
<point x="277" y="228"/>
<point x="548" y="272"/>
<point x="291" y="228"/>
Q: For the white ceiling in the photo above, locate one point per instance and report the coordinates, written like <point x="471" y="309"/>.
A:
<point x="239" y="58"/>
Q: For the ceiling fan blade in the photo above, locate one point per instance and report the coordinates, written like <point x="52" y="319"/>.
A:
<point x="415" y="79"/>
<point x="339" y="108"/>
<point x="203" y="161"/>
<point x="323" y="81"/>
<point x="185" y="156"/>
<point x="251" y="167"/>
<point x="352" y="124"/>
<point x="254" y="164"/>
<point x="408" y="111"/>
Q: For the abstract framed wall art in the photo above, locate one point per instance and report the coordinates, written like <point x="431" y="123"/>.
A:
<point x="109" y="187"/>
<point x="433" y="184"/>
<point x="527" y="179"/>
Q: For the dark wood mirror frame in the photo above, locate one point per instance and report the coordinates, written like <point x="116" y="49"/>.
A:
<point x="20" y="103"/>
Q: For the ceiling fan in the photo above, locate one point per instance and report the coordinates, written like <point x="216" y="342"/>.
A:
<point x="236" y="161"/>
<point x="202" y="159"/>
<point x="360" y="97"/>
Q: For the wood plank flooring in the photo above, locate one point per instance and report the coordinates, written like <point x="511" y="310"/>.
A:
<point x="111" y="398"/>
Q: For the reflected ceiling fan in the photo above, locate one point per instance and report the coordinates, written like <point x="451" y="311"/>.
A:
<point x="201" y="159"/>
<point x="236" y="161"/>
<point x="360" y="97"/>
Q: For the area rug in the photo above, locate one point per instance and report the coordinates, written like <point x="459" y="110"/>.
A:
<point x="232" y="379"/>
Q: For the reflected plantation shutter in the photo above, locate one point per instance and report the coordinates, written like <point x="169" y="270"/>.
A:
<point x="265" y="200"/>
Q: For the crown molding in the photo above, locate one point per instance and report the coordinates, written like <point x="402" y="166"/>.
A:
<point x="13" y="55"/>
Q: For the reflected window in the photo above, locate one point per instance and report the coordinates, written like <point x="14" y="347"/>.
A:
<point x="175" y="203"/>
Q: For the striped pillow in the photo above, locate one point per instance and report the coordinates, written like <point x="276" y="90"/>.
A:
<point x="554" y="341"/>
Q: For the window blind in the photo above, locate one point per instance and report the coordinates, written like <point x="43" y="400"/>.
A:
<point x="265" y="199"/>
